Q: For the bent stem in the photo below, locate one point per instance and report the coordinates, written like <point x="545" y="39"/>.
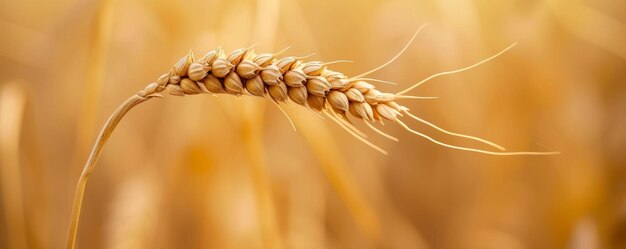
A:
<point x="105" y="133"/>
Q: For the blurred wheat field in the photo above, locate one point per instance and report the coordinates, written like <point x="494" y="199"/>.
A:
<point x="229" y="172"/>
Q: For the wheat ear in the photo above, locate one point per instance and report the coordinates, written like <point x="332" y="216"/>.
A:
<point x="288" y="79"/>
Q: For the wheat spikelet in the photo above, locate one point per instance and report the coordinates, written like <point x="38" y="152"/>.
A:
<point x="309" y="84"/>
<point x="285" y="80"/>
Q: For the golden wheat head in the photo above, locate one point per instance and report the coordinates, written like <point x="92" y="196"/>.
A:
<point x="287" y="79"/>
<point x="310" y="84"/>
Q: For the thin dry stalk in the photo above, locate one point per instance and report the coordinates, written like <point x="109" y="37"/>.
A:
<point x="12" y="101"/>
<point x="94" y="78"/>
<point x="105" y="133"/>
<point x="267" y="15"/>
<point x="310" y="84"/>
<point x="335" y="169"/>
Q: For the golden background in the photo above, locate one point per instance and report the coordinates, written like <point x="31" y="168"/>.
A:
<point x="229" y="172"/>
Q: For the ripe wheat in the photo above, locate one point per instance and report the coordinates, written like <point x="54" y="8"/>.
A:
<point x="310" y="84"/>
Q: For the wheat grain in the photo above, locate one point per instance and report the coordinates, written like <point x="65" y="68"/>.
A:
<point x="309" y="84"/>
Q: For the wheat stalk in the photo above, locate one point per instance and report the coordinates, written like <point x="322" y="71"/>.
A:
<point x="287" y="79"/>
<point x="12" y="102"/>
